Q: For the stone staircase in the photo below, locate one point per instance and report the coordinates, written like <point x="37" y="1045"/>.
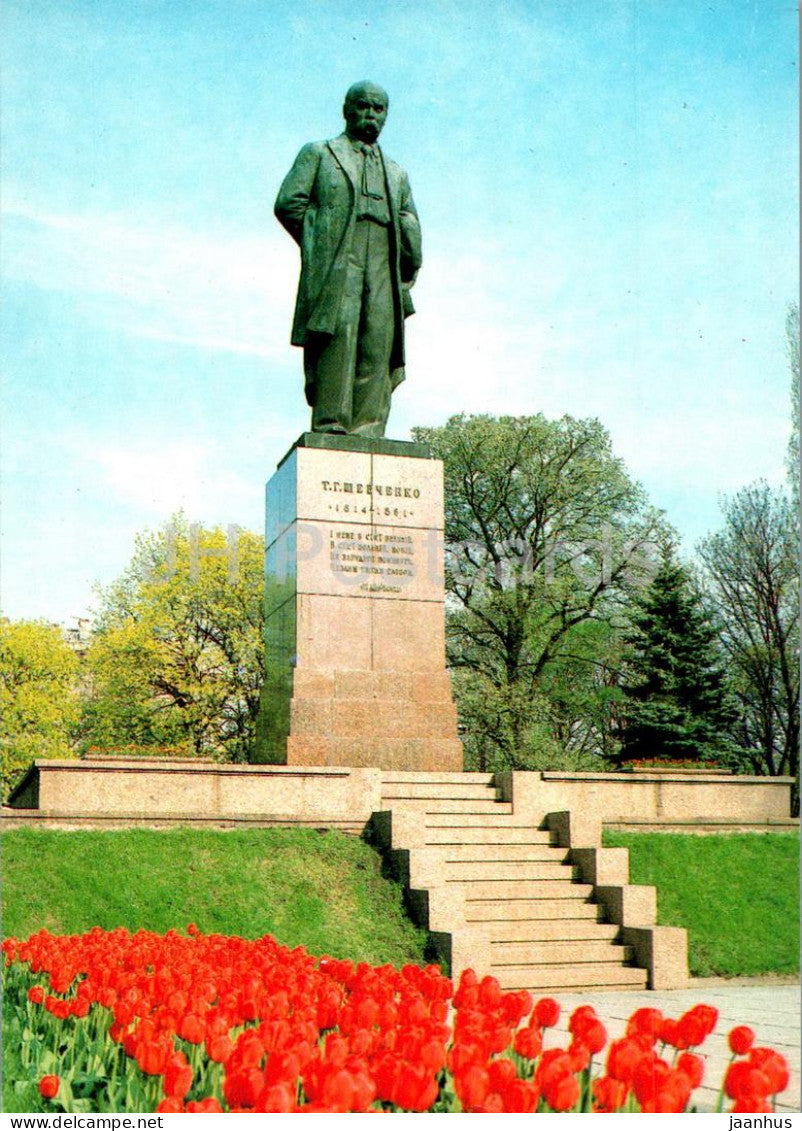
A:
<point x="511" y="895"/>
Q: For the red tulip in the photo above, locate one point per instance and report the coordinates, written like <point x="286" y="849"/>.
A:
<point x="741" y="1039"/>
<point x="591" y="1033"/>
<point x="492" y="1105"/>
<point x="520" y="1096"/>
<point x="693" y="1067"/>
<point x="609" y="1094"/>
<point x="648" y="1022"/>
<point x="208" y="1106"/>
<point x="744" y="1079"/>
<point x="562" y="1093"/>
<point x="472" y="1086"/>
<point x="579" y="1055"/>
<point x="219" y="1048"/>
<point x="773" y="1065"/>
<point x="192" y="1029"/>
<point x="241" y="1088"/>
<point x="752" y="1104"/>
<point x="581" y="1017"/>
<point x="553" y="1065"/>
<point x="170" y="1106"/>
<point x="546" y="1012"/>
<point x="48" y="1087"/>
<point x="528" y="1042"/>
<point x="623" y="1058"/>
<point x="277" y="1098"/>
<point x="649" y="1077"/>
<point x="177" y="1077"/>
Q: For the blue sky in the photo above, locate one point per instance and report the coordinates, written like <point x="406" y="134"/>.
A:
<point x="608" y="196"/>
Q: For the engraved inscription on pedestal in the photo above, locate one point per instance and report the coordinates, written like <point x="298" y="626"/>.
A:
<point x="373" y="561"/>
<point x="380" y="490"/>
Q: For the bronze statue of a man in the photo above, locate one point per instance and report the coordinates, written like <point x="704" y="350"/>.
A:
<point x="351" y="211"/>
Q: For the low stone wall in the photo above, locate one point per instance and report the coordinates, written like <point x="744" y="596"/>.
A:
<point x="319" y="794"/>
<point x="661" y="797"/>
<point x="334" y="796"/>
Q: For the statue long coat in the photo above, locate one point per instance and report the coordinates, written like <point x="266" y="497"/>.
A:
<point x="317" y="205"/>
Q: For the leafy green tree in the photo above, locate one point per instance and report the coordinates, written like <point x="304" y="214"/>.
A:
<point x="177" y="658"/>
<point x="677" y="705"/>
<point x="39" y="697"/>
<point x="584" y="694"/>
<point x="546" y="538"/>
<point x="752" y="572"/>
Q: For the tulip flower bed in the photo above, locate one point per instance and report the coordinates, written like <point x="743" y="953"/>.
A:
<point x="114" y="1021"/>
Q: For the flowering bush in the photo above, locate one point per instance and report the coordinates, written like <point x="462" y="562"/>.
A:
<point x="208" y="1023"/>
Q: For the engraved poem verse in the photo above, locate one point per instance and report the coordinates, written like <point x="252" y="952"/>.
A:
<point x="373" y="561"/>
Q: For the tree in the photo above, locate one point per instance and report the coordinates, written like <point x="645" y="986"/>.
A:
<point x="546" y="537"/>
<point x="677" y="705"/>
<point x="178" y="658"/>
<point x="39" y="697"/>
<point x="752" y="571"/>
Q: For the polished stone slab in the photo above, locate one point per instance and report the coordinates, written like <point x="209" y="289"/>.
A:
<point x="354" y="587"/>
<point x="350" y="443"/>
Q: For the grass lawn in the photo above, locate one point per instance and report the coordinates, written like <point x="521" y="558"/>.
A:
<point x="737" y="895"/>
<point x="325" y="891"/>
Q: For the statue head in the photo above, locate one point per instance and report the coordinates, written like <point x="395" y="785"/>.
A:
<point x="365" y="111"/>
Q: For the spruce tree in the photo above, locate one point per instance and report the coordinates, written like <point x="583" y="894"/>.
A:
<point x="676" y="704"/>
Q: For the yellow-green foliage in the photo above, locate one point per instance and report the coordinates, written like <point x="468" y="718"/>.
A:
<point x="177" y="659"/>
<point x="39" y="702"/>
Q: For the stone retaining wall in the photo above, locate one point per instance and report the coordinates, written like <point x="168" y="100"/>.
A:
<point x="337" y="796"/>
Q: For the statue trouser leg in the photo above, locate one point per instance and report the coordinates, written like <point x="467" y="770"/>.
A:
<point x="329" y="362"/>
<point x="371" y="404"/>
<point x="349" y="372"/>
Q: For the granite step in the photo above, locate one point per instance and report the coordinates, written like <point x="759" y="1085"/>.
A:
<point x="585" y="976"/>
<point x="534" y="932"/>
<point x="455" y="807"/>
<point x="417" y="791"/>
<point x="403" y="777"/>
<point x="495" y="890"/>
<point x="498" y="815"/>
<point x="472" y="871"/>
<point x="531" y="910"/>
<point x="557" y="951"/>
<point x="485" y="835"/>
<point x="518" y="853"/>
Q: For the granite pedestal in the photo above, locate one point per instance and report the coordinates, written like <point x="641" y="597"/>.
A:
<point x="355" y="609"/>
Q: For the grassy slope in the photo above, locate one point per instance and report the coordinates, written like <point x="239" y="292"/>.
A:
<point x="737" y="895"/>
<point x="324" y="891"/>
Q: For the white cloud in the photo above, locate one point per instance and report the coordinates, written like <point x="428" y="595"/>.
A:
<point x="478" y="339"/>
<point x="216" y="291"/>
<point x="162" y="478"/>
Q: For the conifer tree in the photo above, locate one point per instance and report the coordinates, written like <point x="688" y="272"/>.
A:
<point x="676" y="703"/>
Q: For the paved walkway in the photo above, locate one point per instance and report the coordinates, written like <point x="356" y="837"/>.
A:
<point x="771" y="1009"/>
